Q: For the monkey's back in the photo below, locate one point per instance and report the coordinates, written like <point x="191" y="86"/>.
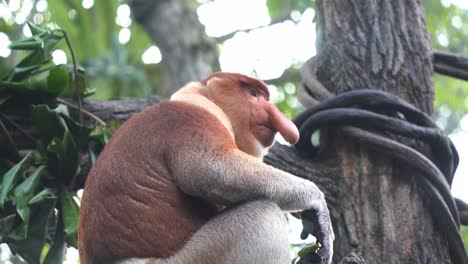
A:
<point x="131" y="206"/>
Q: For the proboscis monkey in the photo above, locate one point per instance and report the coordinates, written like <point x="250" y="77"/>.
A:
<point x="183" y="182"/>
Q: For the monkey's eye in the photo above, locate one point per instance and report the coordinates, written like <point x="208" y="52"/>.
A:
<point x="253" y="92"/>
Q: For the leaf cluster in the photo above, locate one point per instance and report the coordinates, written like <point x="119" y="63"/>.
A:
<point x="38" y="204"/>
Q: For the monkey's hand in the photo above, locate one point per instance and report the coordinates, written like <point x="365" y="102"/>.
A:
<point x="318" y="224"/>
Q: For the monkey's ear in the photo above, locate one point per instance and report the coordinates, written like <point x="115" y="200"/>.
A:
<point x="205" y="81"/>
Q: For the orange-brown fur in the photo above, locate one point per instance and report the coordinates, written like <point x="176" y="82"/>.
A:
<point x="131" y="192"/>
<point x="131" y="178"/>
<point x="169" y="170"/>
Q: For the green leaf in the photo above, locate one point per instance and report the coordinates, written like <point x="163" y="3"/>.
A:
<point x="52" y="81"/>
<point x="36" y="82"/>
<point x="62" y="110"/>
<point x="274" y="8"/>
<point x="44" y="196"/>
<point x="20" y="73"/>
<point x="309" y="249"/>
<point x="26" y="190"/>
<point x="63" y="157"/>
<point x="57" y="250"/>
<point x="13" y="175"/>
<point x="82" y="81"/>
<point x="22" y="194"/>
<point x="70" y="214"/>
<point x="36" y="30"/>
<point x="20" y="232"/>
<point x="50" y="42"/>
<point x="33" y="44"/>
<point x="57" y="81"/>
<point x="33" y="58"/>
<point x="464" y="234"/>
<point x="6" y="86"/>
<point x="30" y="248"/>
<point x="48" y="123"/>
<point x="80" y="132"/>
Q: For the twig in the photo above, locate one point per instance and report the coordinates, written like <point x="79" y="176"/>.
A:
<point x="18" y="127"/>
<point x="76" y="80"/>
<point x="274" y="22"/>
<point x="81" y="110"/>
<point x="6" y="224"/>
<point x="11" y="143"/>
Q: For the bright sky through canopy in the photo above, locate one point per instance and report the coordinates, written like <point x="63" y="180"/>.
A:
<point x="268" y="51"/>
<point x="265" y="52"/>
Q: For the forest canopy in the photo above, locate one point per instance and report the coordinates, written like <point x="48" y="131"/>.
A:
<point x="121" y="59"/>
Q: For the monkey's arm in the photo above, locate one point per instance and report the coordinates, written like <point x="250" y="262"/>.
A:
<point x="230" y="176"/>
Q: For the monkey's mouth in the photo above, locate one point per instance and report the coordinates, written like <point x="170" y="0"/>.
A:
<point x="265" y="134"/>
<point x="269" y="127"/>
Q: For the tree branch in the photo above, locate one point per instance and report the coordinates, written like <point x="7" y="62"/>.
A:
<point x="272" y="23"/>
<point x="451" y="64"/>
<point x="117" y="109"/>
<point x="22" y="132"/>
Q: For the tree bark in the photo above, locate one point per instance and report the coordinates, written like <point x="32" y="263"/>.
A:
<point x="187" y="53"/>
<point x="377" y="207"/>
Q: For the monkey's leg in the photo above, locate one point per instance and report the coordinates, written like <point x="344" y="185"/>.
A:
<point x="253" y="232"/>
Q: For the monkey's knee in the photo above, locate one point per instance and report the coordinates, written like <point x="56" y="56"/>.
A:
<point x="252" y="232"/>
<point x="265" y="232"/>
<point x="268" y="220"/>
<point x="262" y="213"/>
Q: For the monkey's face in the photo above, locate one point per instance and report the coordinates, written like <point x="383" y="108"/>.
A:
<point x="254" y="119"/>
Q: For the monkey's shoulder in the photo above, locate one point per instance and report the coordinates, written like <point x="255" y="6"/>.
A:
<point x="178" y="116"/>
<point x="183" y="111"/>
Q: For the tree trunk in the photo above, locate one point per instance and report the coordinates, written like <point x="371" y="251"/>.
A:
<point x="378" y="209"/>
<point x="187" y="53"/>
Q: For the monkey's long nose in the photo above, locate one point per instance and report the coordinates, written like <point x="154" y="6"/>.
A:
<point x="280" y="122"/>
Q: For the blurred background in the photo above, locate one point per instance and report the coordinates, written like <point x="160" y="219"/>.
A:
<point x="269" y="39"/>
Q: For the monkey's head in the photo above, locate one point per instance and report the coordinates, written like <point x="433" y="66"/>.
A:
<point x="254" y="119"/>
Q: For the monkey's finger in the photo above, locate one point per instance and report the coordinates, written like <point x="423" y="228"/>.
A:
<point x="296" y="215"/>
<point x="317" y="223"/>
<point x="310" y="226"/>
<point x="325" y="252"/>
<point x="324" y="236"/>
<point x="324" y="256"/>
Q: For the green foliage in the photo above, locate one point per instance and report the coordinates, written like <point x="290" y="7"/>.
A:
<point x="308" y="250"/>
<point x="37" y="195"/>
<point x="56" y="251"/>
<point x="279" y="9"/>
<point x="448" y="32"/>
<point x="464" y="234"/>
<point x="34" y="77"/>
<point x="12" y="176"/>
<point x="113" y="67"/>
<point x="39" y="191"/>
